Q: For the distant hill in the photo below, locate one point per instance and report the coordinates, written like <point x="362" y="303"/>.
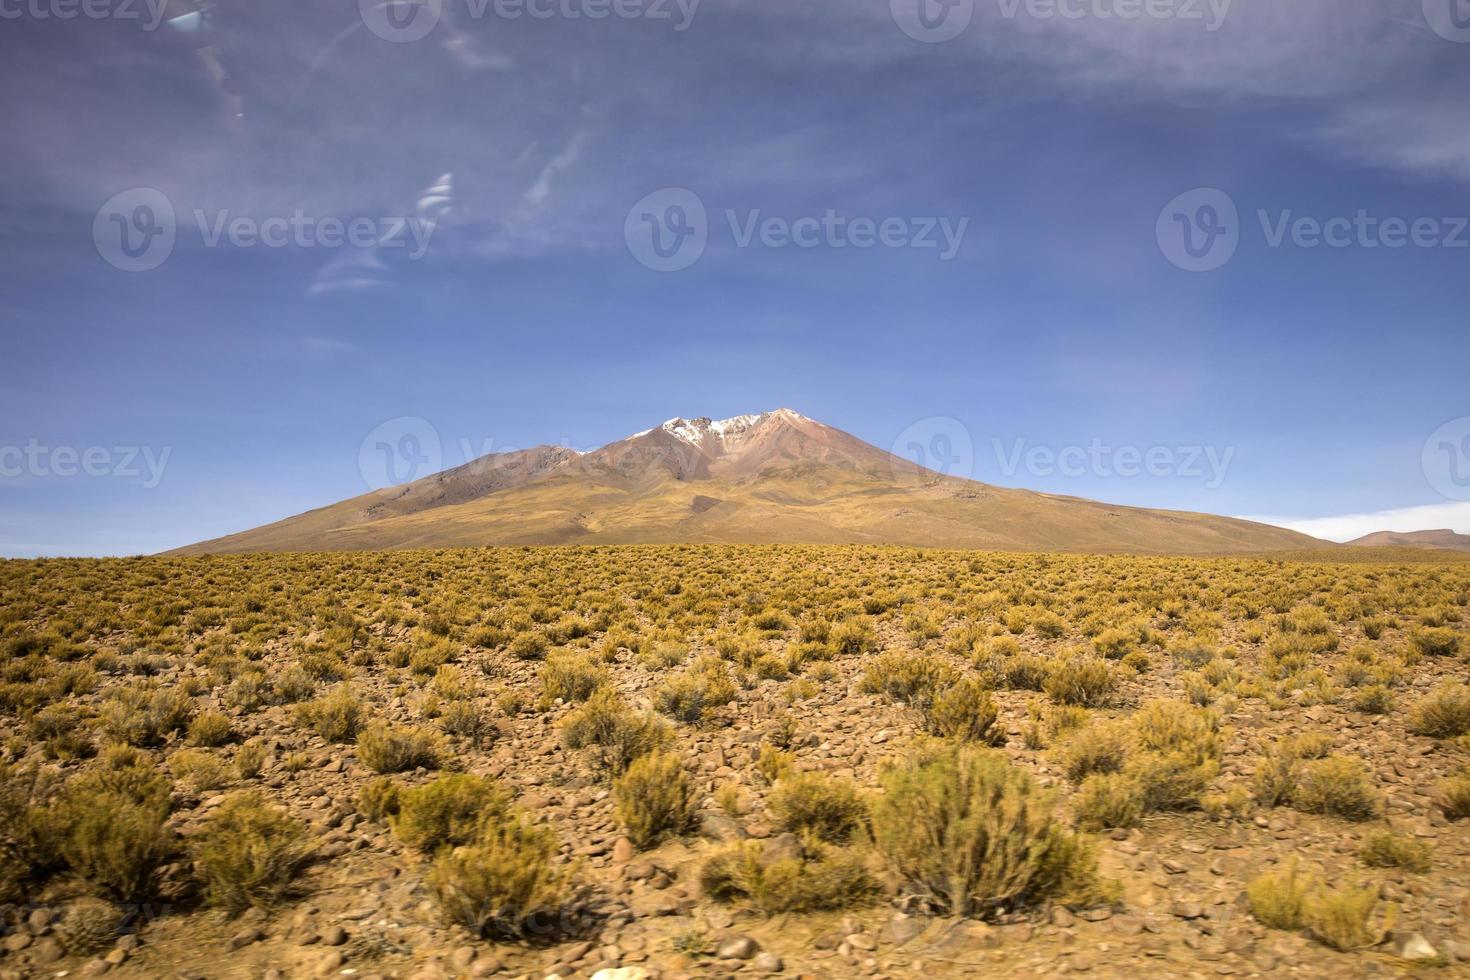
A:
<point x="776" y="477"/>
<point x="1446" y="539"/>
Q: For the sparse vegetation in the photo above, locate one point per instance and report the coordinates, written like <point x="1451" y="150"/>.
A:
<point x="785" y="681"/>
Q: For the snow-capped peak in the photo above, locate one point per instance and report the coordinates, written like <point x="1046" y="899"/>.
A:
<point x="696" y="431"/>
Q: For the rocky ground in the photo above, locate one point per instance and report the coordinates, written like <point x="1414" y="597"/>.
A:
<point x="364" y="910"/>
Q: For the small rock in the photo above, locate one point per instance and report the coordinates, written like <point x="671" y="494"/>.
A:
<point x="329" y="964"/>
<point x="1416" y="947"/>
<point x="623" y="973"/>
<point x="334" y="936"/>
<point x="719" y="827"/>
<point x="245" y="937"/>
<point x="768" y="963"/>
<point x="738" y="948"/>
<point x="623" y="851"/>
<point x="1187" y="910"/>
<point x="782" y="847"/>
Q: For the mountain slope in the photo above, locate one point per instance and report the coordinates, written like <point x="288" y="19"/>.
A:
<point x="1446" y="539"/>
<point x="774" y="477"/>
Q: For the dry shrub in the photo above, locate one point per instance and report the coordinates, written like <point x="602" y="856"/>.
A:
<point x="88" y="925"/>
<point x="210" y="729"/>
<point x="908" y="678"/>
<point x="615" y="733"/>
<point x="1454" y="797"/>
<point x="145" y="716"/>
<point x="820" y="879"/>
<point x="1445" y="713"/>
<point x="379" y="799"/>
<point x="199" y="770"/>
<point x="335" y="717"/>
<point x="655" y="799"/>
<point x="1099" y="748"/>
<point x="809" y="803"/>
<point x="1278" y="899"/>
<point x="1082" y="680"/>
<point x="968" y="834"/>
<point x="1385" y="849"/>
<point x="1344" y="918"/>
<point x="690" y="695"/>
<point x="1438" y="642"/>
<point x="1178" y="754"/>
<point x="110" y="829"/>
<point x="448" y="811"/>
<point x="1107" y="800"/>
<point x="505" y="884"/>
<point x="570" y="677"/>
<point x="1337" y="786"/>
<point x="965" y="710"/>
<point x="392" y="748"/>
<point x="251" y="852"/>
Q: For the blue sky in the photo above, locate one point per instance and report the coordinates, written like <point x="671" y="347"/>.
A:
<point x="235" y="383"/>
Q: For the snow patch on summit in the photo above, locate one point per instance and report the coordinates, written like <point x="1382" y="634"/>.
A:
<point x="697" y="431"/>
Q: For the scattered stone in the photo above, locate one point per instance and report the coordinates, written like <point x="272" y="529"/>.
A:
<point x="1416" y="947"/>
<point x="738" y="948"/>
<point x="768" y="963"/>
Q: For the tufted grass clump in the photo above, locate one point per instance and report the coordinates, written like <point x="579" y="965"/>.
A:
<point x="909" y="678"/>
<point x="210" y="729"/>
<point x="506" y="885"/>
<point x="394" y="748"/>
<point x="1349" y="917"/>
<point x="570" y="677"/>
<point x="615" y="734"/>
<point x="1178" y="750"/>
<point x="655" y="799"/>
<point x="446" y="812"/>
<point x="1336" y="786"/>
<point x="1444" y="713"/>
<point x="145" y="716"/>
<point x="1385" y="849"/>
<point x="1107" y="800"/>
<point x="1278" y="899"/>
<point x="965" y="710"/>
<point x="968" y="834"/>
<point x="250" y="853"/>
<point x="821" y="878"/>
<point x="1454" y="797"/>
<point x="831" y="809"/>
<point x="690" y="695"/>
<point x="1097" y="748"/>
<point x="110" y="829"/>
<point x="335" y="717"/>
<point x="1082" y="680"/>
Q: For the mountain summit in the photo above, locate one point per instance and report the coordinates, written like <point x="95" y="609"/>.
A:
<point x="771" y="477"/>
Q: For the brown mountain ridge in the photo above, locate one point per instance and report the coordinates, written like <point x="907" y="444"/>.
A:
<point x="776" y="477"/>
<point x="1446" y="540"/>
